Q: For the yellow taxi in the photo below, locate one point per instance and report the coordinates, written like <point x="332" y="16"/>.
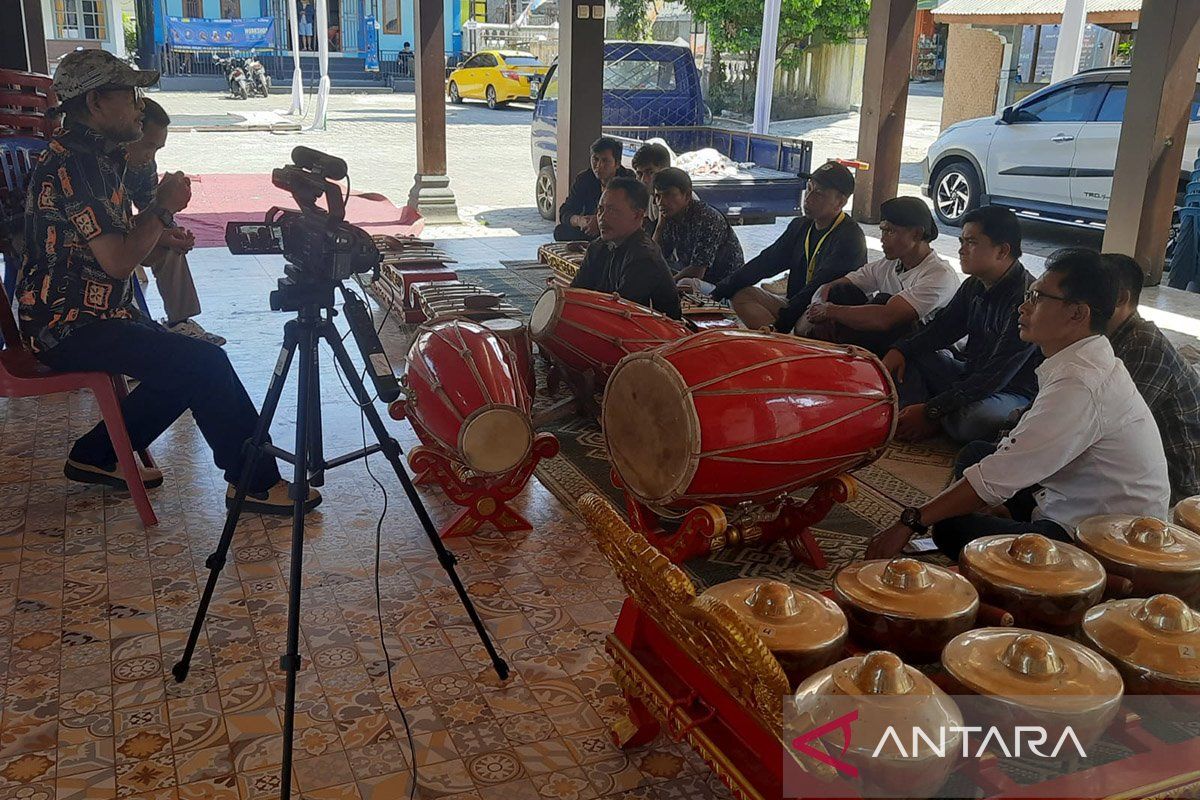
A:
<point x="497" y="76"/>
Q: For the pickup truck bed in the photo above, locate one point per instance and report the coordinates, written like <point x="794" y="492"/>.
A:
<point x="770" y="188"/>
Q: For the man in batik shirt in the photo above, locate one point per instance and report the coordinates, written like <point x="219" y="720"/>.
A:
<point x="77" y="310"/>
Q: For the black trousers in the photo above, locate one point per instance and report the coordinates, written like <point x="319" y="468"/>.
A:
<point x="878" y="342"/>
<point x="953" y="534"/>
<point x="566" y="232"/>
<point x="175" y="373"/>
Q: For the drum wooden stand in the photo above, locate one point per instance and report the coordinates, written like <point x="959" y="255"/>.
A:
<point x="484" y="498"/>
<point x="706" y="528"/>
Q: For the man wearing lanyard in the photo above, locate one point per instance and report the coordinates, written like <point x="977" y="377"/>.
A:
<point x="816" y="249"/>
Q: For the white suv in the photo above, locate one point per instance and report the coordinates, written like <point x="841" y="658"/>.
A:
<point x="1051" y="154"/>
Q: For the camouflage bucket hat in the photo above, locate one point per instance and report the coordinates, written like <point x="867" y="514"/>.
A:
<point x="84" y="70"/>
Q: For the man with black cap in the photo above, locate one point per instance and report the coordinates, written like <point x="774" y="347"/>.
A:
<point x="76" y="302"/>
<point x="819" y="247"/>
<point x="875" y="305"/>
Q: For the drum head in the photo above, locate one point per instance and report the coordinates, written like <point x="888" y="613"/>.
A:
<point x="651" y="428"/>
<point x="545" y="314"/>
<point x="503" y="325"/>
<point x="495" y="439"/>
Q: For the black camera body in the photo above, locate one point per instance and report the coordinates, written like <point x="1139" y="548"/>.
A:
<point x="318" y="243"/>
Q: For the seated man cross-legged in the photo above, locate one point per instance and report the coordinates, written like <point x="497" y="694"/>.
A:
<point x="577" y="215"/>
<point x="819" y="247"/>
<point x="877" y="304"/>
<point x="1088" y="445"/>
<point x="169" y="264"/>
<point x="1167" y="383"/>
<point x="693" y="234"/>
<point x="625" y="260"/>
<point x="971" y="397"/>
<point x="76" y="302"/>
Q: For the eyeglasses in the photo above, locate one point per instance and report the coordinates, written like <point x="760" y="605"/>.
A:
<point x="1034" y="296"/>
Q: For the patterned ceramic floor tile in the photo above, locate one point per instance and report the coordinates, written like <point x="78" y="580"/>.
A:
<point x="95" y="611"/>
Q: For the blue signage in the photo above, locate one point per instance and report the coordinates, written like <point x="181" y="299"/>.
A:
<point x="189" y="33"/>
<point x="371" y="45"/>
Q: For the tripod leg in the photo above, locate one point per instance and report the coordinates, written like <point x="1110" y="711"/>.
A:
<point x="316" y="442"/>
<point x="291" y="659"/>
<point x="391" y="450"/>
<point x="216" y="561"/>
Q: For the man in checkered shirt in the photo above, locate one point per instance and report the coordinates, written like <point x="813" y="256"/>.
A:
<point x="1168" y="384"/>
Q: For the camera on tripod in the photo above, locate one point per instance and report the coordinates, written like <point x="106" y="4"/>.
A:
<point x="318" y="243"/>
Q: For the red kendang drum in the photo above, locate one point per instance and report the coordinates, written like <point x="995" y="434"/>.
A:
<point x="591" y="331"/>
<point x="467" y="400"/>
<point x="721" y="427"/>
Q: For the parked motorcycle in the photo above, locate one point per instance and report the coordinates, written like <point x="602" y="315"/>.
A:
<point x="260" y="81"/>
<point x="235" y="76"/>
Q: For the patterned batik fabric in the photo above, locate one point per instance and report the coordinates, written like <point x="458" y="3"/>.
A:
<point x="75" y="195"/>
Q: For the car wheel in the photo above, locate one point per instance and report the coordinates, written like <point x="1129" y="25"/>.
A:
<point x="455" y="97"/>
<point x="955" y="191"/>
<point x="491" y="97"/>
<point x="545" y="191"/>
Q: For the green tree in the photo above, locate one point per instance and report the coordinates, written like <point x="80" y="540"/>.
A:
<point x="735" y="26"/>
<point x="633" y="19"/>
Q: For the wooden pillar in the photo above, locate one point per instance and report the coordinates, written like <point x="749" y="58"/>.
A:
<point x="580" y="84"/>
<point x="22" y="38"/>
<point x="431" y="194"/>
<point x="1151" y="150"/>
<point x="890" y="31"/>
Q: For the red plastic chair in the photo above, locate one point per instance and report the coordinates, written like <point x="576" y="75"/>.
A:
<point x="21" y="375"/>
<point x="25" y="102"/>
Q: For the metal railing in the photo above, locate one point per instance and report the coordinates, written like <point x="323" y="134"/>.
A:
<point x="396" y="65"/>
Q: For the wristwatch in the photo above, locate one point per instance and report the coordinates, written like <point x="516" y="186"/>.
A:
<point x="911" y="518"/>
<point x="163" y="215"/>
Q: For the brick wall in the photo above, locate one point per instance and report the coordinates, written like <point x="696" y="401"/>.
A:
<point x="973" y="60"/>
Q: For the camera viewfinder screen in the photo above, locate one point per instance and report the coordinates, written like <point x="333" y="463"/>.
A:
<point x="253" y="239"/>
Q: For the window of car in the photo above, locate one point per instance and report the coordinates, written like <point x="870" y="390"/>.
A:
<point x="1113" y="107"/>
<point x="473" y="62"/>
<point x="1075" y="103"/>
<point x="522" y="61"/>
<point x="489" y="60"/>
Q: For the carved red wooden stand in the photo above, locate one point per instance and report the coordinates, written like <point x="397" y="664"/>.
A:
<point x="705" y="528"/>
<point x="484" y="498"/>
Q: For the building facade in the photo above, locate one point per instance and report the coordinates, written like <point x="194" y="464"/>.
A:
<point x="347" y="21"/>
<point x="69" y="24"/>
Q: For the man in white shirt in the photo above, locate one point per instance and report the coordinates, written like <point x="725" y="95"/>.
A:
<point x="1088" y="445"/>
<point x="877" y="304"/>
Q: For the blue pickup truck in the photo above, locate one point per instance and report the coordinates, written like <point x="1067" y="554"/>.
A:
<point x="653" y="90"/>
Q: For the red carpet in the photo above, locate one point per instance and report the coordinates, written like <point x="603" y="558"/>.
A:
<point x="218" y="199"/>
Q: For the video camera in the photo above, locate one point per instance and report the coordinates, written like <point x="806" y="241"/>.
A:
<point x="318" y="243"/>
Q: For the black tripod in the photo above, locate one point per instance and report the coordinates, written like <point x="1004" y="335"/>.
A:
<point x="314" y="304"/>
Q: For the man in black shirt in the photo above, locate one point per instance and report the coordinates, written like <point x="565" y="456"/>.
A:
<point x="694" y="234"/>
<point x="577" y="215"/>
<point x="816" y="249"/>
<point x="624" y="259"/>
<point x="970" y="396"/>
